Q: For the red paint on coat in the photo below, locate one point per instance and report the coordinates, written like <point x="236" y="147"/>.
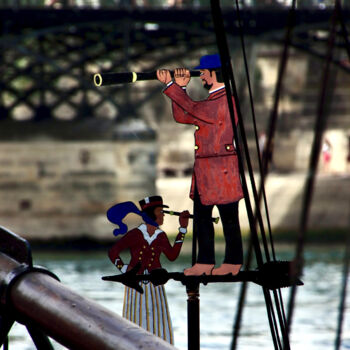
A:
<point x="141" y="251"/>
<point x="216" y="171"/>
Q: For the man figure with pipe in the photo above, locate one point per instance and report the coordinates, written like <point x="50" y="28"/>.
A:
<point x="215" y="179"/>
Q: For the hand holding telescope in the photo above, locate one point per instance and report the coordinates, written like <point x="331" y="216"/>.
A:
<point x="191" y="216"/>
<point x="104" y="79"/>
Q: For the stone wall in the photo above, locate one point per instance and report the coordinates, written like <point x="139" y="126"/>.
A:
<point x="50" y="189"/>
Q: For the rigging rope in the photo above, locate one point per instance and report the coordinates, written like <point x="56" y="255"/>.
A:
<point x="316" y="147"/>
<point x="263" y="164"/>
<point x="342" y="303"/>
<point x="231" y="90"/>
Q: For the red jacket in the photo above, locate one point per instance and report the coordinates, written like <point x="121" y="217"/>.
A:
<point x="145" y="249"/>
<point x="216" y="172"/>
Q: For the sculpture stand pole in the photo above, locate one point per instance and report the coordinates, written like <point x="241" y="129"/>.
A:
<point x="193" y="308"/>
<point x="193" y="319"/>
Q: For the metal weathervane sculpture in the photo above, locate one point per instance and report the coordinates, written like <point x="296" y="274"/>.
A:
<point x="145" y="301"/>
<point x="218" y="180"/>
<point x="222" y="163"/>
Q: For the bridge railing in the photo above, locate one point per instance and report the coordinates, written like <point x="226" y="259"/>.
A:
<point x="162" y="3"/>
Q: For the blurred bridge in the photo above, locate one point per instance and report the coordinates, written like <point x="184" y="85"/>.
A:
<point x="47" y="55"/>
<point x="47" y="59"/>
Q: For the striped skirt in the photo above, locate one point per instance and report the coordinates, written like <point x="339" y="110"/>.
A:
<point x="149" y="310"/>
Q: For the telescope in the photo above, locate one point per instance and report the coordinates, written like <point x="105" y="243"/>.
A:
<point x="191" y="216"/>
<point x="104" y="79"/>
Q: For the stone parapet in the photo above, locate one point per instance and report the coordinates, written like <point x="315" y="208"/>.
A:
<point x="50" y="189"/>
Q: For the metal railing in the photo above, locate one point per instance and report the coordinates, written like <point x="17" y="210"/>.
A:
<point x="163" y="3"/>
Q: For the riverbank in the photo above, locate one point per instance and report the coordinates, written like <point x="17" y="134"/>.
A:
<point x="329" y="211"/>
<point x="289" y="238"/>
<point x="328" y="221"/>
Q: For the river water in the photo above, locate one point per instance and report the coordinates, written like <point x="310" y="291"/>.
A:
<point x="315" y="316"/>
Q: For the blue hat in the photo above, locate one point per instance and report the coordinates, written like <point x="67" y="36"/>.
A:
<point x="209" y="61"/>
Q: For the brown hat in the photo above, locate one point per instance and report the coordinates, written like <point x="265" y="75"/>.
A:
<point x="154" y="201"/>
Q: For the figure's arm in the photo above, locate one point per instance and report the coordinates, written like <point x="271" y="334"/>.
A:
<point x="203" y="110"/>
<point x="182" y="78"/>
<point x="114" y="253"/>
<point x="200" y="110"/>
<point x="172" y="252"/>
<point x="192" y="111"/>
<point x="180" y="115"/>
<point x="185" y="110"/>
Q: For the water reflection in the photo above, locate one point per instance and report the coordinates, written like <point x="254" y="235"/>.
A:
<point x="314" y="323"/>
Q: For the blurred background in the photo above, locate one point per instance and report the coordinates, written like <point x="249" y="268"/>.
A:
<point x="70" y="150"/>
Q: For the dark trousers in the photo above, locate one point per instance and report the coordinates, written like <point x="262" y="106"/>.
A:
<point x="204" y="229"/>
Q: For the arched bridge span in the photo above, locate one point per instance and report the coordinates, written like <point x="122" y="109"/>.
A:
<point x="48" y="56"/>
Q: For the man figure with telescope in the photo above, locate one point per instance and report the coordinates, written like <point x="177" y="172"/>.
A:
<point x="215" y="179"/>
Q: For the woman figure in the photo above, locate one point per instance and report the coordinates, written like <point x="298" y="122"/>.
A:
<point x="146" y="243"/>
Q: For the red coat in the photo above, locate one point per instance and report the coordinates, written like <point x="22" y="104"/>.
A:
<point x="216" y="172"/>
<point x="145" y="249"/>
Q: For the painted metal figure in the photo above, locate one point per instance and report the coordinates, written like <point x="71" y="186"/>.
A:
<point x="146" y="243"/>
<point x="216" y="179"/>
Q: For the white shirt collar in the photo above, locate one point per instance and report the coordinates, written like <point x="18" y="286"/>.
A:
<point x="212" y="91"/>
<point x="149" y="239"/>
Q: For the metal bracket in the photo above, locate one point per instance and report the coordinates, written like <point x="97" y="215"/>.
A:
<point x="15" y="247"/>
<point x="14" y="275"/>
<point x="18" y="249"/>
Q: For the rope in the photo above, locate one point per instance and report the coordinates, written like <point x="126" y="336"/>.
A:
<point x="343" y="28"/>
<point x="231" y="90"/>
<point x="263" y="173"/>
<point x="262" y="188"/>
<point x="342" y="303"/>
<point x="316" y="147"/>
